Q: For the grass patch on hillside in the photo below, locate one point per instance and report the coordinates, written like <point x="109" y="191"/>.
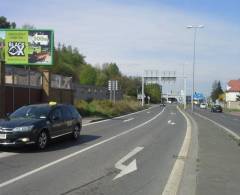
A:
<point x="107" y="109"/>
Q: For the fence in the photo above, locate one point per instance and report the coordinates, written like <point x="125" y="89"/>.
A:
<point x="21" y="86"/>
<point x="90" y="92"/>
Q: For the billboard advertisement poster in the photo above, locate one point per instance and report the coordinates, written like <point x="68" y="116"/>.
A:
<point x="26" y="47"/>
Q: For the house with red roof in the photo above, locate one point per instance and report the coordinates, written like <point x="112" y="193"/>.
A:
<point x="232" y="93"/>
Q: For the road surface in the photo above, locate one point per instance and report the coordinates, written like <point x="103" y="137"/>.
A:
<point x="140" y="153"/>
<point x="134" y="154"/>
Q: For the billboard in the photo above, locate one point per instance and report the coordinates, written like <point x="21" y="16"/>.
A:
<point x="26" y="47"/>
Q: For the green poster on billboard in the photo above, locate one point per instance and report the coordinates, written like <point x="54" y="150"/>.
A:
<point x="26" y="47"/>
<point x="16" y="51"/>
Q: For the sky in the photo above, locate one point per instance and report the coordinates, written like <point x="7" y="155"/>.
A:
<point x="144" y="34"/>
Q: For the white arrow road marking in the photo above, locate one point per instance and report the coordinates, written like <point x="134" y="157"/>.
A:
<point x="127" y="120"/>
<point x="173" y="113"/>
<point x="171" y="123"/>
<point x="148" y="112"/>
<point x="126" y="169"/>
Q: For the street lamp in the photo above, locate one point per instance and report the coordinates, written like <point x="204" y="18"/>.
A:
<point x="195" y="27"/>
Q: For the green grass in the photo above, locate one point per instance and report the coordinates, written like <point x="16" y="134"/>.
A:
<point x="107" y="109"/>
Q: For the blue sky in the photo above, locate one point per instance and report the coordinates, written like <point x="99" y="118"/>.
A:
<point x="143" y="34"/>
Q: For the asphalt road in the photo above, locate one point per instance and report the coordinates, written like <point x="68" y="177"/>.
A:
<point x="134" y="154"/>
<point x="217" y="161"/>
<point x="229" y="121"/>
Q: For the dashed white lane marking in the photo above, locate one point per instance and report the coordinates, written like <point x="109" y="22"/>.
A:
<point x="173" y="183"/>
<point x="7" y="154"/>
<point x="148" y="112"/>
<point x="20" y="177"/>
<point x="127" y="120"/>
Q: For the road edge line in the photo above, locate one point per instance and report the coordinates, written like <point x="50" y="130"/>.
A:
<point x="174" y="180"/>
<point x="105" y="120"/>
<point x="43" y="167"/>
<point x="227" y="130"/>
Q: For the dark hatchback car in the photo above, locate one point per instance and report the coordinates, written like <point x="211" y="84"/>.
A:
<point x="37" y="124"/>
<point x="216" y="108"/>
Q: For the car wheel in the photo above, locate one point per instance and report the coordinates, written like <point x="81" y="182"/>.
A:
<point x="76" y="132"/>
<point x="42" y="140"/>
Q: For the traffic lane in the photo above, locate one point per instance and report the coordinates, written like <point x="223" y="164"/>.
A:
<point x="218" y="160"/>
<point x="93" y="171"/>
<point x="27" y="159"/>
<point x="229" y="121"/>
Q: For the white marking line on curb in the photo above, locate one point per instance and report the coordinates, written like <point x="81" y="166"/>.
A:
<point x="131" y="167"/>
<point x="76" y="153"/>
<point x="84" y="125"/>
<point x="127" y="120"/>
<point x="7" y="154"/>
<point x="173" y="183"/>
<point x="229" y="131"/>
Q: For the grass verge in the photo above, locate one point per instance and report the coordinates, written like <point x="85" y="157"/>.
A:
<point x="107" y="109"/>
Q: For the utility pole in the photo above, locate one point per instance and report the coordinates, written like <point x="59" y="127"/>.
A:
<point x="194" y="58"/>
<point x="143" y="90"/>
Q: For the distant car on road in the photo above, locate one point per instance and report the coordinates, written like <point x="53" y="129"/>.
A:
<point x="37" y="124"/>
<point x="203" y="105"/>
<point x="216" y="108"/>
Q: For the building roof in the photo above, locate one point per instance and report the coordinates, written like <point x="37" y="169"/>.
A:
<point x="233" y="86"/>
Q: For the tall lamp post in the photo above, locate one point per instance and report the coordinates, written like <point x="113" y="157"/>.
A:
<point x="195" y="28"/>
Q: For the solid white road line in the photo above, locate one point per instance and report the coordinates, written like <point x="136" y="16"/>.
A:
<point x="173" y="183"/>
<point x="127" y="120"/>
<point x="131" y="167"/>
<point x="76" y="153"/>
<point x="118" y="117"/>
<point x="7" y="154"/>
<point x="229" y="131"/>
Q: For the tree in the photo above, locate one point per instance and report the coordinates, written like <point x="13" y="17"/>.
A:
<point x="111" y="70"/>
<point x="216" y="90"/>
<point x="88" y="75"/>
<point x="6" y="24"/>
<point x="154" y="92"/>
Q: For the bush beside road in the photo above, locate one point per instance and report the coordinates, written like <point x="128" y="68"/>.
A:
<point x="107" y="109"/>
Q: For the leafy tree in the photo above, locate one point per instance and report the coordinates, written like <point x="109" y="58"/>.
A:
<point x="88" y="75"/>
<point x="216" y="90"/>
<point x="111" y="70"/>
<point x="6" y="24"/>
<point x="154" y="91"/>
<point x="102" y="78"/>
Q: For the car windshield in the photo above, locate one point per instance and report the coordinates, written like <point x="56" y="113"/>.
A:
<point x="31" y="112"/>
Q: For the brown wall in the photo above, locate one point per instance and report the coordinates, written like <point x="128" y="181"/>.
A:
<point x="21" y="97"/>
<point x="61" y="95"/>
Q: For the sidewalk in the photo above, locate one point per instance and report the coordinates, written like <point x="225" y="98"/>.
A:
<point x="218" y="162"/>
